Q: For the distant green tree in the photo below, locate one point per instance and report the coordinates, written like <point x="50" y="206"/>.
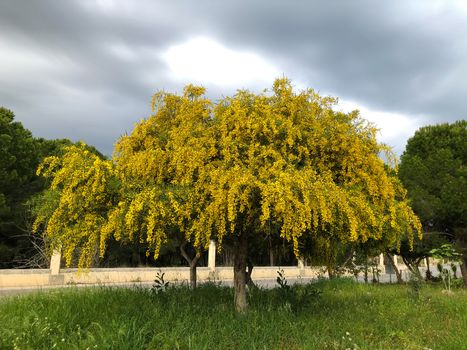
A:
<point x="433" y="169"/>
<point x="18" y="160"/>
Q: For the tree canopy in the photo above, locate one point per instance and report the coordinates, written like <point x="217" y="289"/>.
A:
<point x="278" y="163"/>
<point x="433" y="169"/>
<point x="18" y="159"/>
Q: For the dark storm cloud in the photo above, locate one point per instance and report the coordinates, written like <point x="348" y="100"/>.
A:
<point x="86" y="70"/>
<point x="390" y="55"/>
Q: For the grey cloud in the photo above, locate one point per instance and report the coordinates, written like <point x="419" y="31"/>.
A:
<point x="385" y="55"/>
<point x="392" y="56"/>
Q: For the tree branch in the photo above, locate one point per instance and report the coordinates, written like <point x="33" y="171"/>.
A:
<point x="196" y="259"/>
<point x="184" y="253"/>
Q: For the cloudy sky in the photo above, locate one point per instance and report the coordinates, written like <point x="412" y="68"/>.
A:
<point x="86" y="70"/>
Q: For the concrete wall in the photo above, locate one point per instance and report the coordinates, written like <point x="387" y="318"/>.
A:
<point x="43" y="277"/>
<point x="24" y="278"/>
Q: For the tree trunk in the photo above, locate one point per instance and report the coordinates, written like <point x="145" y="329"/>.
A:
<point x="193" y="274"/>
<point x="365" y="272"/>
<point x="428" y="274"/>
<point x="348" y="258"/>
<point x="412" y="266"/>
<point x="330" y="267"/>
<point x="191" y="262"/>
<point x="240" y="263"/>
<point x="463" y="262"/>
<point x="394" y="267"/>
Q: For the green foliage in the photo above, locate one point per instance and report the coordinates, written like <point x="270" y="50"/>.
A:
<point x="446" y="251"/>
<point x="17" y="154"/>
<point x="433" y="169"/>
<point x="18" y="159"/>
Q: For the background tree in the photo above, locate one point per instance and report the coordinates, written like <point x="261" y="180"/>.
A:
<point x="433" y="169"/>
<point x="18" y="159"/>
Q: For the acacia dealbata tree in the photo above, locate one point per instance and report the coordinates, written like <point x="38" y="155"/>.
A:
<point x="279" y="164"/>
<point x="433" y="169"/>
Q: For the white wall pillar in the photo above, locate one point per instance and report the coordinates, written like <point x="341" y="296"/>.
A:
<point x="55" y="262"/>
<point x="301" y="264"/>
<point x="212" y="257"/>
<point x="55" y="277"/>
<point x="395" y="260"/>
<point x="381" y="265"/>
<point x="301" y="267"/>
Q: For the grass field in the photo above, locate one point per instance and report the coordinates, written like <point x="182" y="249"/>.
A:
<point x="336" y="314"/>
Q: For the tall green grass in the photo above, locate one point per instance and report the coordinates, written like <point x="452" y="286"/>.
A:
<point x="336" y="314"/>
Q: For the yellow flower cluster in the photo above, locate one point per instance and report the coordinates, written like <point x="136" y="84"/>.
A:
<point x="279" y="163"/>
<point x="85" y="183"/>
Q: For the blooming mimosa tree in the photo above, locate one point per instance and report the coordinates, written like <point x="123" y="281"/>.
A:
<point x="278" y="163"/>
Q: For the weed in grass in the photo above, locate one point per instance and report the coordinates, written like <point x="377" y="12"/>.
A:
<point x="294" y="298"/>
<point x="160" y="285"/>
<point x="281" y="280"/>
